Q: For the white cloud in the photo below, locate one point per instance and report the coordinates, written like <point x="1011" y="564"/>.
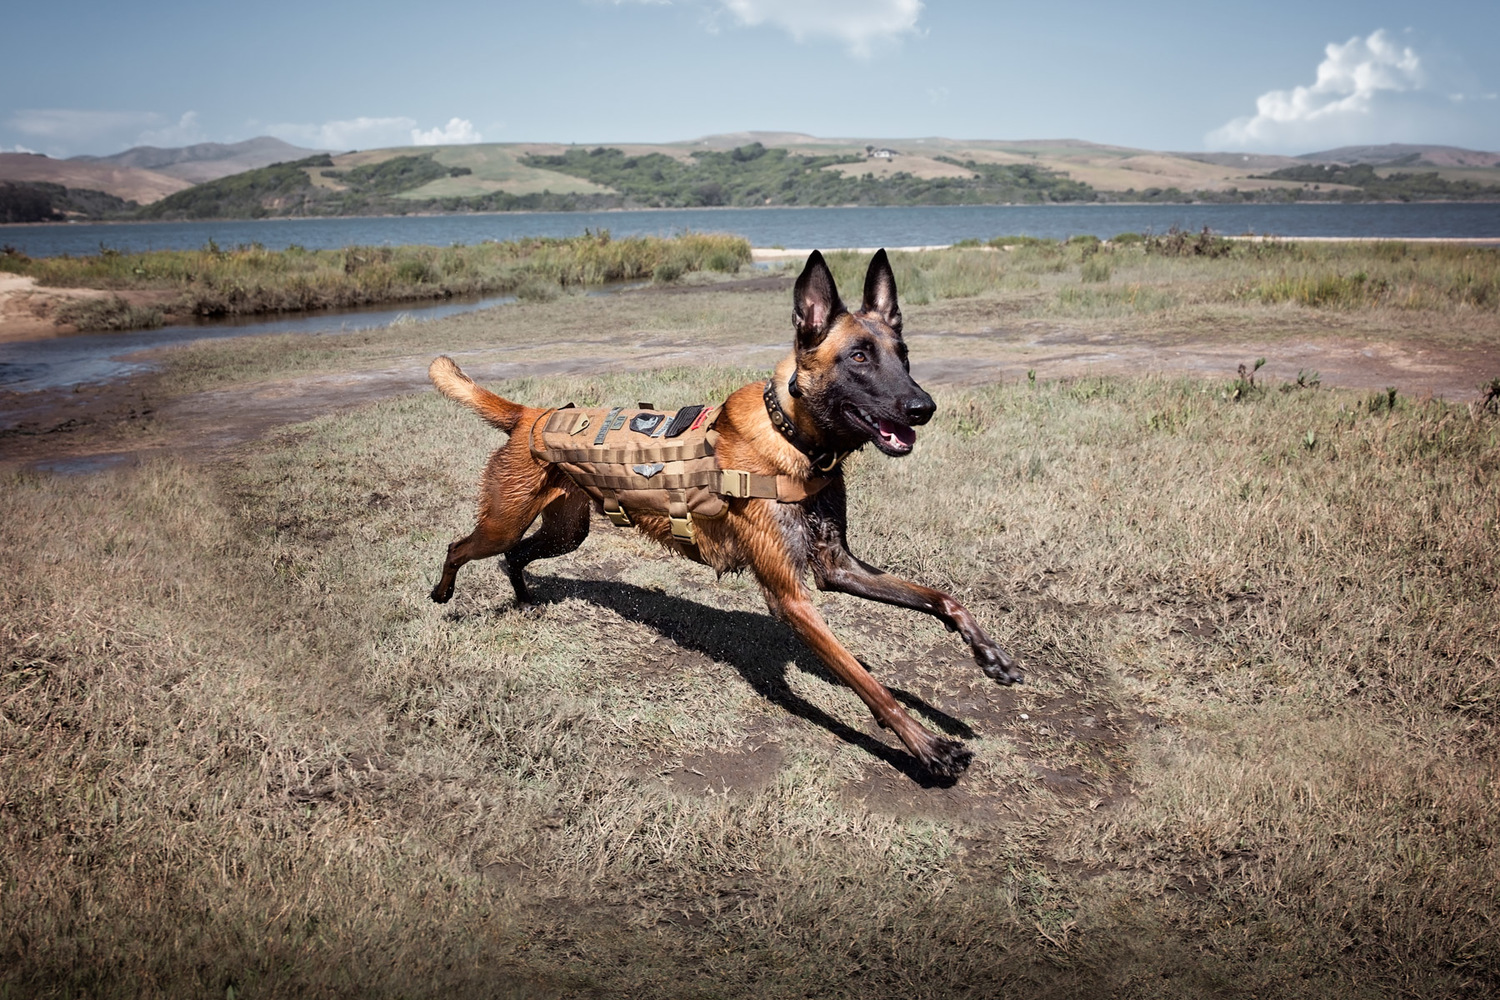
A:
<point x="859" y="24"/>
<point x="184" y="133"/>
<point x="1368" y="90"/>
<point x="65" y="131"/>
<point x="16" y="149"/>
<point x="458" y="131"/>
<point x="353" y="133"/>
<point x="69" y="131"/>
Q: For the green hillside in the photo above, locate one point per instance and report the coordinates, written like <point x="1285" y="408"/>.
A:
<point x="39" y="201"/>
<point x="491" y="169"/>
<point x="752" y="175"/>
<point x="785" y="169"/>
<point x="280" y="189"/>
<point x="1368" y="184"/>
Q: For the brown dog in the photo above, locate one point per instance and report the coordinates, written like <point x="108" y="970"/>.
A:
<point x="846" y="383"/>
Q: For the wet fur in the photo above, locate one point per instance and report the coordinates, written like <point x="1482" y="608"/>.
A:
<point x="852" y="387"/>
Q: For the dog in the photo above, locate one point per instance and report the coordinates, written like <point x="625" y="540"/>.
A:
<point x="846" y="383"/>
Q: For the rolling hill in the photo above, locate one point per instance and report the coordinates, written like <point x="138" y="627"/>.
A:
<point x="752" y="169"/>
<point x="204" y="161"/>
<point x="129" y="183"/>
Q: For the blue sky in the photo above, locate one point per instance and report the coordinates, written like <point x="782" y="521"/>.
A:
<point x="1272" y="76"/>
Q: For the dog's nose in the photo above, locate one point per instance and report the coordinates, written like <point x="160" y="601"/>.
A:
<point x="919" y="409"/>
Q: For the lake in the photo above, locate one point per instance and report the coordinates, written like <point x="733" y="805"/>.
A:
<point x="784" y="227"/>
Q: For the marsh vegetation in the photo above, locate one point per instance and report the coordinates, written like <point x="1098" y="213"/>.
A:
<point x="251" y="280"/>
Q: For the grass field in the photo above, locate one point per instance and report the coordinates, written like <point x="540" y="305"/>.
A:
<point x="1255" y="754"/>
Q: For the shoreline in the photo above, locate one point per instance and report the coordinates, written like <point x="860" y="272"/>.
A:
<point x="26" y="307"/>
<point x="619" y="209"/>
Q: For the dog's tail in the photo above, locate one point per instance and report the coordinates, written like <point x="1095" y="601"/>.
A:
<point x="453" y="383"/>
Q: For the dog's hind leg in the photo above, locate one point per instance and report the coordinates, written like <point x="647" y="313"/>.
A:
<point x="565" y="524"/>
<point x="514" y="495"/>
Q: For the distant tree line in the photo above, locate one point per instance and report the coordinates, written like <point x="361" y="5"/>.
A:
<point x="39" y="201"/>
<point x="1426" y="186"/>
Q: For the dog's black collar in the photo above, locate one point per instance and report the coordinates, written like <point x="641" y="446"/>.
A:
<point x="823" y="460"/>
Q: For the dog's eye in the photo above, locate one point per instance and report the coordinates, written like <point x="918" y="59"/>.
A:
<point x="859" y="356"/>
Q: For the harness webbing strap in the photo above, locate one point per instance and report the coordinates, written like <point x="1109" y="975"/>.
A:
<point x="787" y="489"/>
<point x="708" y="478"/>
<point x="669" y="452"/>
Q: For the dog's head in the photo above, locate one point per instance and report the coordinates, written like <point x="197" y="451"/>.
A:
<point x="853" y="378"/>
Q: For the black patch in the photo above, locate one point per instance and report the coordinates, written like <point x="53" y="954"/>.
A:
<point x="645" y="423"/>
<point x="683" y="420"/>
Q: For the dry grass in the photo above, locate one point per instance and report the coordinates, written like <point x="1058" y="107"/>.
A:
<point x="1180" y="281"/>
<point x="1256" y="755"/>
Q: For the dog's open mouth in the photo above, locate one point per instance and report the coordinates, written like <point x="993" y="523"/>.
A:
<point x="889" y="436"/>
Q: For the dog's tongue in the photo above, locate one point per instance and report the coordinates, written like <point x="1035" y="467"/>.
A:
<point x="897" y="435"/>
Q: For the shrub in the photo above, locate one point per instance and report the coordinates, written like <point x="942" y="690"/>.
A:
<point x="1177" y="243"/>
<point x="113" y="313"/>
<point x="537" y="290"/>
<point x="1020" y="241"/>
<point x="667" y="272"/>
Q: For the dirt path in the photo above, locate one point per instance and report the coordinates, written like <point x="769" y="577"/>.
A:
<point x="1340" y="362"/>
<point x="96" y="426"/>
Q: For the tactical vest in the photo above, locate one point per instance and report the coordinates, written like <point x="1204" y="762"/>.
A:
<point x="649" y="460"/>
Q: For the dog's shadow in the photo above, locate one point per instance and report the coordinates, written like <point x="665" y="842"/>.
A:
<point x="756" y="645"/>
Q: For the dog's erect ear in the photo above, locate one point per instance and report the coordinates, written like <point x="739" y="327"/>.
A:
<point x="880" y="292"/>
<point x="815" y="303"/>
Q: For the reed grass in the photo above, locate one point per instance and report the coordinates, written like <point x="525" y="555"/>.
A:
<point x="249" y="280"/>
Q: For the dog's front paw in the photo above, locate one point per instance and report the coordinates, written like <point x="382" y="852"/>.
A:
<point x="946" y="758"/>
<point x="441" y="594"/>
<point x="998" y="665"/>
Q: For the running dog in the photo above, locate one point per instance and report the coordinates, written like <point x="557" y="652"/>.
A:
<point x="846" y="383"/>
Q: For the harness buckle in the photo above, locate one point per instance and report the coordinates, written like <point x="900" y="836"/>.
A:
<point x="734" y="483"/>
<point x="619" y="515"/>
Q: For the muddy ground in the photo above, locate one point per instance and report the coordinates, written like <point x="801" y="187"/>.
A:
<point x="94" y="426"/>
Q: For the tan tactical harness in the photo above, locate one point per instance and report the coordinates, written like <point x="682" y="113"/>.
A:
<point x="625" y="459"/>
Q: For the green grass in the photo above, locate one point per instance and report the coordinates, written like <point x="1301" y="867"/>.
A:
<point x="243" y="752"/>
<point x="249" y="280"/>
<point x="496" y="168"/>
<point x="1179" y="277"/>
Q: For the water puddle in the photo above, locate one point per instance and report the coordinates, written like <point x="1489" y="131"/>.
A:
<point x="77" y="465"/>
<point x="81" y="359"/>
